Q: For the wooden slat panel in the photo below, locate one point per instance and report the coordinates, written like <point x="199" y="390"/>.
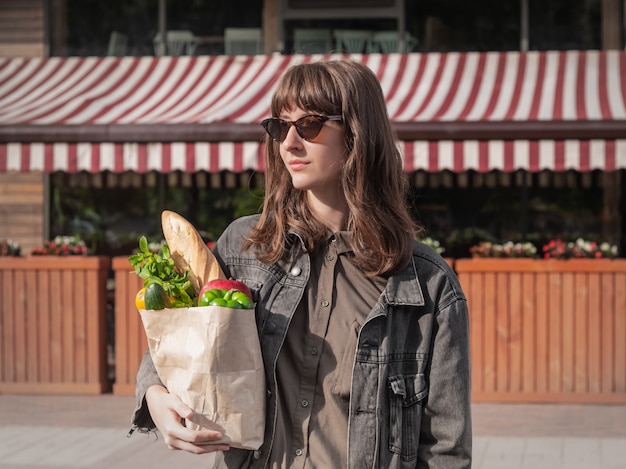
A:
<point x="19" y="322"/>
<point x="67" y="341"/>
<point x="515" y="294"/>
<point x="556" y="357"/>
<point x="542" y="321"/>
<point x="49" y="340"/>
<point x="80" y="306"/>
<point x="568" y="331"/>
<point x="32" y="324"/>
<point x="56" y="332"/>
<point x="22" y="207"/>
<point x="595" y="316"/>
<point x="93" y="301"/>
<point x="23" y="22"/>
<point x="491" y="331"/>
<point x="22" y="50"/>
<point x="573" y="329"/>
<point x="557" y="398"/>
<point x="7" y="309"/>
<point x="620" y="332"/>
<point x="608" y="333"/>
<point x="474" y="285"/>
<point x="43" y="285"/>
<point x="529" y="315"/>
<point x="581" y="346"/>
<point x="503" y="333"/>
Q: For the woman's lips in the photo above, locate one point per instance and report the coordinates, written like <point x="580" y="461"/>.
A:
<point x="297" y="165"/>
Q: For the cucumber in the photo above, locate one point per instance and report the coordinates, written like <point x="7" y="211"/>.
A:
<point x="156" y="297"/>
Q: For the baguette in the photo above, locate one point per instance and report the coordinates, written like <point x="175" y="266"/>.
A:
<point x="189" y="251"/>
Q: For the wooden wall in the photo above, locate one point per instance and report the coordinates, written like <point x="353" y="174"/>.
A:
<point x="546" y="330"/>
<point x="53" y="325"/>
<point x="22" y="34"/>
<point x="22" y="28"/>
<point x="22" y="203"/>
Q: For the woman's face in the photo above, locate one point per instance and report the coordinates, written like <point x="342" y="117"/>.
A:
<point x="314" y="165"/>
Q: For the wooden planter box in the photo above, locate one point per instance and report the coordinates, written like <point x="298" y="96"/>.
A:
<point x="546" y="330"/>
<point x="53" y="325"/>
<point x="130" y="338"/>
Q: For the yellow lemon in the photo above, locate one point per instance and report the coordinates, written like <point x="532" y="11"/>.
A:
<point x="140" y="301"/>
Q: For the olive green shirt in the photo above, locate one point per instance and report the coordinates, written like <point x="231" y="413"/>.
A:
<point x="314" y="367"/>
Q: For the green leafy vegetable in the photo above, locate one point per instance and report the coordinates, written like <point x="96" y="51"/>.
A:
<point x="158" y="267"/>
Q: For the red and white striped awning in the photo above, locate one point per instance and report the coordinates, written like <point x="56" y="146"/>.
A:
<point x="454" y="111"/>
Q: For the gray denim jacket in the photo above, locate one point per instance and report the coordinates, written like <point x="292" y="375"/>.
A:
<point x="410" y="397"/>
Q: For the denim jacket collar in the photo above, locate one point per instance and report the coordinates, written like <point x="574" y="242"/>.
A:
<point x="404" y="288"/>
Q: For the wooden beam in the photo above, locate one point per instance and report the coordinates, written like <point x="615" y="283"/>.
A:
<point x="611" y="27"/>
<point x="271" y="26"/>
<point x="233" y="132"/>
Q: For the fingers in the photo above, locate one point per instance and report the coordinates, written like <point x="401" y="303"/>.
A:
<point x="195" y="448"/>
<point x="194" y="441"/>
<point x="182" y="410"/>
<point x="167" y="412"/>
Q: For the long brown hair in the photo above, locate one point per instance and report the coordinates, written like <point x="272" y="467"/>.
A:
<point x="373" y="181"/>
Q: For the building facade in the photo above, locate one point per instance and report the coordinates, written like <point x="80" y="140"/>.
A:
<point x="471" y="87"/>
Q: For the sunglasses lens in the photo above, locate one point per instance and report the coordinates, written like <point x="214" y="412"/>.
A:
<point x="309" y="127"/>
<point x="276" y="128"/>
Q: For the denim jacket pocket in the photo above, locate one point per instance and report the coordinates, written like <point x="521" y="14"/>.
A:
<point x="407" y="393"/>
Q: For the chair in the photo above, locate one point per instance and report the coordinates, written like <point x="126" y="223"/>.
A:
<point x="312" y="41"/>
<point x="388" y="42"/>
<point x="352" y="41"/>
<point x="242" y="41"/>
<point x="181" y="42"/>
<point x="118" y="44"/>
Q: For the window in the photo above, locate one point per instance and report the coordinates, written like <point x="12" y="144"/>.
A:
<point x="494" y="25"/>
<point x="88" y="24"/>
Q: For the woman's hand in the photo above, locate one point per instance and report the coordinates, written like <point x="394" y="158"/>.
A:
<point x="167" y="412"/>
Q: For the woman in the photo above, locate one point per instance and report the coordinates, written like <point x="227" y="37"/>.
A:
<point x="363" y="330"/>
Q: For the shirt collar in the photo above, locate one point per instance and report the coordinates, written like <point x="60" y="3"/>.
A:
<point x="341" y="241"/>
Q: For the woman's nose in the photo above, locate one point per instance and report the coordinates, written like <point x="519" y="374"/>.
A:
<point x="292" y="140"/>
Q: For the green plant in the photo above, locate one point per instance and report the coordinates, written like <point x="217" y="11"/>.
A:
<point x="158" y="267"/>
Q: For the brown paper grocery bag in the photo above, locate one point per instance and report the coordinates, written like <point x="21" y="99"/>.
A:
<point x="210" y="357"/>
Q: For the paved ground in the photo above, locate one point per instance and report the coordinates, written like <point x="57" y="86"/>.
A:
<point x="52" y="432"/>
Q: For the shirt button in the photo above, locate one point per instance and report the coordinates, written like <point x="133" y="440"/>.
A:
<point x="325" y="303"/>
<point x="305" y="403"/>
<point x="329" y="258"/>
<point x="313" y="351"/>
<point x="296" y="271"/>
<point x="298" y="452"/>
<point x="257" y="454"/>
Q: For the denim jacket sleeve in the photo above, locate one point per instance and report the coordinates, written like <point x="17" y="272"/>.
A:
<point x="146" y="376"/>
<point x="446" y="438"/>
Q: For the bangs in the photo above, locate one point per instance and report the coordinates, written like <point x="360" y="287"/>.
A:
<point x="309" y="87"/>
